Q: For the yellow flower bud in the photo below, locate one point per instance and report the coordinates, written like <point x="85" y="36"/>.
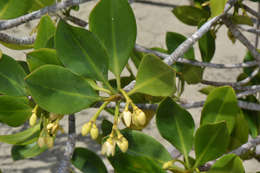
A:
<point x="55" y="128"/>
<point x="49" y="141"/>
<point x="141" y="117"/>
<point x="108" y="148"/>
<point x="167" y="165"/>
<point x="41" y="142"/>
<point x="50" y="126"/>
<point x="122" y="144"/>
<point x="86" y="128"/>
<point x="127" y="117"/>
<point x="33" y="119"/>
<point x="94" y="132"/>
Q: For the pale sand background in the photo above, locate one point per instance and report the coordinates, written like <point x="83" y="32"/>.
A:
<point x="153" y="23"/>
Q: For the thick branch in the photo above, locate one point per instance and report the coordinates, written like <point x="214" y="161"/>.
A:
<point x="7" y="24"/>
<point x="70" y="145"/>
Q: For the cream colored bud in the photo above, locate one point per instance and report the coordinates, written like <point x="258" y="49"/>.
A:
<point x="49" y="141"/>
<point x="55" y="128"/>
<point x="94" y="132"/>
<point x="41" y="142"/>
<point x="122" y="144"/>
<point x="50" y="126"/>
<point x="167" y="165"/>
<point x="86" y="128"/>
<point x="108" y="148"/>
<point x="33" y="119"/>
<point x="141" y="118"/>
<point x="127" y="117"/>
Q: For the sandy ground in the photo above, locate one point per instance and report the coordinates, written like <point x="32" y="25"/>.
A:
<point x="153" y="23"/>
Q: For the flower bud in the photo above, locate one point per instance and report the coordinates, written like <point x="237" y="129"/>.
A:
<point x="108" y="148"/>
<point x="50" y="126"/>
<point x="41" y="142"/>
<point x="167" y="165"/>
<point x="122" y="144"/>
<point x="94" y="132"/>
<point x="86" y="128"/>
<point x="127" y="117"/>
<point x="33" y="119"/>
<point x="55" y="128"/>
<point x="49" y="141"/>
<point x="141" y="118"/>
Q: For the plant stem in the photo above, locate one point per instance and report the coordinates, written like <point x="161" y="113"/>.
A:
<point x="103" y="106"/>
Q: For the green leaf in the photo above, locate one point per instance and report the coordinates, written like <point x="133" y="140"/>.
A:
<point x="80" y="51"/>
<point x="206" y="90"/>
<point x="42" y="57"/>
<point x="211" y="141"/>
<point x="176" y="125"/>
<point x="38" y="4"/>
<point x="24" y="66"/>
<point x="173" y="40"/>
<point x="137" y="57"/>
<point x="113" y="22"/>
<point x="14" y="111"/>
<point x="228" y="164"/>
<point x="239" y="135"/>
<point x="192" y="74"/>
<point x="154" y="77"/>
<point x="11" y="77"/>
<point x="46" y="30"/>
<point x="207" y="46"/>
<point x="87" y="161"/>
<point x="14" y="8"/>
<point x="58" y="90"/>
<point x="17" y="46"/>
<point x="242" y="20"/>
<point x="217" y="7"/>
<point x="144" y="154"/>
<point x="20" y="152"/>
<point x="22" y="138"/>
<point x="190" y="15"/>
<point x="220" y="105"/>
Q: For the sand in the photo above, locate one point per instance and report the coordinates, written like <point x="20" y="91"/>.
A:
<point x="152" y="22"/>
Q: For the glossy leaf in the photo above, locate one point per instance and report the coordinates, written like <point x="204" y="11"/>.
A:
<point x="80" y="51"/>
<point x="228" y="164"/>
<point x="13" y="8"/>
<point x="113" y="22"/>
<point x="22" y="138"/>
<point x="220" y="105"/>
<point x="42" y="57"/>
<point x="24" y="66"/>
<point x="207" y="46"/>
<point x="154" y="77"/>
<point x="20" y="152"/>
<point x="46" y="30"/>
<point x="173" y="40"/>
<point x="240" y="132"/>
<point x="87" y="161"/>
<point x="60" y="91"/>
<point x="14" y="111"/>
<point x="211" y="141"/>
<point x="206" y="90"/>
<point x="217" y="7"/>
<point x="176" y="125"/>
<point x="190" y="15"/>
<point x="144" y="154"/>
<point x="192" y="74"/>
<point x="11" y="77"/>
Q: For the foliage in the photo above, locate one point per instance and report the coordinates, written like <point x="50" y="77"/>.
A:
<point x="67" y="72"/>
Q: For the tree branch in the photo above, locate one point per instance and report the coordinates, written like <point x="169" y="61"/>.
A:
<point x="7" y="24"/>
<point x="15" y="40"/>
<point x="70" y="145"/>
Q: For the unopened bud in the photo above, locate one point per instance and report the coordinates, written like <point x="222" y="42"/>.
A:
<point x="33" y="119"/>
<point x="122" y="144"/>
<point x="49" y="141"/>
<point x="127" y="117"/>
<point x="41" y="142"/>
<point x="86" y="128"/>
<point x="108" y="148"/>
<point x="94" y="132"/>
<point x="50" y="126"/>
<point x="141" y="118"/>
<point x="167" y="165"/>
<point x="54" y="128"/>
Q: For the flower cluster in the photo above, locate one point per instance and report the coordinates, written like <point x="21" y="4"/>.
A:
<point x="90" y="127"/>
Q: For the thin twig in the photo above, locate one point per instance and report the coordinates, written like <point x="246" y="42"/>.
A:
<point x="65" y="164"/>
<point x="250" y="30"/>
<point x="197" y="63"/>
<point x="7" y="24"/>
<point x="257" y="27"/>
<point x="160" y="4"/>
<point x="251" y="11"/>
<point x="15" y="40"/>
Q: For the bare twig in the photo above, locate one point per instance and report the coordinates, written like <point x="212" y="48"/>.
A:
<point x="161" y="4"/>
<point x="257" y="27"/>
<point x="197" y="63"/>
<point x="76" y="21"/>
<point x="15" y="40"/>
<point x="250" y="30"/>
<point x="70" y="145"/>
<point x="7" y="24"/>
